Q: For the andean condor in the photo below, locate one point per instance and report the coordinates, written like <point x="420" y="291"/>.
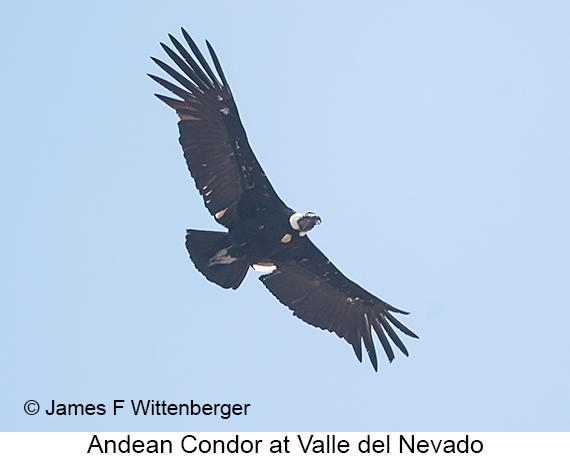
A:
<point x="263" y="232"/>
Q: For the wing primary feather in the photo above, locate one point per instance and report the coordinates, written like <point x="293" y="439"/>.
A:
<point x="401" y="326"/>
<point x="177" y="76"/>
<point x="217" y="64"/>
<point x="392" y="334"/>
<point x="357" y="346"/>
<point x="200" y="57"/>
<point x="184" y="110"/>
<point x="208" y="138"/>
<point x="173" y="88"/>
<point x="186" y="68"/>
<point x="383" y="340"/>
<point x="368" y="343"/>
<point x="191" y="62"/>
<point x="172" y="102"/>
<point x="393" y="309"/>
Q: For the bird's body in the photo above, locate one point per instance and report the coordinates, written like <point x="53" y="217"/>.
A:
<point x="263" y="232"/>
<point x="256" y="241"/>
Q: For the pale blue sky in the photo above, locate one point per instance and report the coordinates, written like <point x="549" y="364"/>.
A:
<point x="431" y="137"/>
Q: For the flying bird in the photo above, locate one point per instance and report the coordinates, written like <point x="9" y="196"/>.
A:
<point x="263" y="232"/>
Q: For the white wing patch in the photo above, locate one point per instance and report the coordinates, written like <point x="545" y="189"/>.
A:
<point x="263" y="267"/>
<point x="220" y="214"/>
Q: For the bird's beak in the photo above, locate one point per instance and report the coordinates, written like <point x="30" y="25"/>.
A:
<point x="308" y="221"/>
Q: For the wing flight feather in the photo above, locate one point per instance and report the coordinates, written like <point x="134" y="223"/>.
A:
<point x="318" y="293"/>
<point x="217" y="152"/>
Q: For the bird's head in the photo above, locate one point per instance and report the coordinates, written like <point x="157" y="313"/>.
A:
<point x="304" y="223"/>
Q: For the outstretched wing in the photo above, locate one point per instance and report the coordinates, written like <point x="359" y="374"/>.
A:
<point x="219" y="157"/>
<point x="318" y="293"/>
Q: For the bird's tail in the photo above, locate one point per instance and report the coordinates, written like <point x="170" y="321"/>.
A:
<point x="209" y="251"/>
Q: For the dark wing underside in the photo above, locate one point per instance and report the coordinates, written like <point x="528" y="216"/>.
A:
<point x="216" y="149"/>
<point x="318" y="293"/>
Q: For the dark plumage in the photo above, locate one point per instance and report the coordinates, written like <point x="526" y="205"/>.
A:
<point x="263" y="232"/>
